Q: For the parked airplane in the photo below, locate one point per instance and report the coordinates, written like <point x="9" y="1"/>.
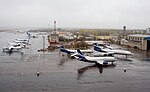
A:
<point x="12" y="49"/>
<point x="105" y="46"/>
<point x="69" y="51"/>
<point x="115" y="51"/>
<point x="95" y="53"/>
<point x="110" y="47"/>
<point x="97" y="60"/>
<point x="17" y="44"/>
<point x="24" y="41"/>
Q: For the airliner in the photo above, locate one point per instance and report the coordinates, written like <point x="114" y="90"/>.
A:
<point x="17" y="44"/>
<point x="12" y="49"/>
<point x="97" y="60"/>
<point x="69" y="51"/>
<point x="115" y="51"/>
<point x="97" y="53"/>
<point x="110" y="47"/>
<point x="21" y="41"/>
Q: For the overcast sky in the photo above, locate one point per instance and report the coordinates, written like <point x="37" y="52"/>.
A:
<point x="75" y="13"/>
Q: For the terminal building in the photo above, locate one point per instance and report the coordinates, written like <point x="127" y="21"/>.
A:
<point x="53" y="38"/>
<point x="139" y="41"/>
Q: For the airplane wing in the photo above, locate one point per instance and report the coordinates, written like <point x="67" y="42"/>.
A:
<point x="86" y="51"/>
<point x="74" y="54"/>
<point x="96" y="53"/>
<point x="83" y="51"/>
<point x="72" y="51"/>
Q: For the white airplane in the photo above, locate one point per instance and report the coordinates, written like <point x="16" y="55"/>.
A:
<point x="104" y="45"/>
<point x="97" y="54"/>
<point x="17" y="44"/>
<point x="115" y="51"/>
<point x="24" y="41"/>
<point x="12" y="49"/>
<point x="110" y="47"/>
<point x="97" y="60"/>
<point x="69" y="51"/>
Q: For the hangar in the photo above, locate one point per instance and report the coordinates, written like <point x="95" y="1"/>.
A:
<point x="140" y="41"/>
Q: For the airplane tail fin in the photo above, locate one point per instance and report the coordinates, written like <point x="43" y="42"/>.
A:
<point x="80" y="55"/>
<point x="97" y="48"/>
<point x="62" y="49"/>
<point x="10" y="50"/>
<point x="95" y="44"/>
<point x="61" y="46"/>
<point x="79" y="52"/>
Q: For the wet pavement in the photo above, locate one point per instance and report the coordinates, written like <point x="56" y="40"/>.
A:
<point x="33" y="71"/>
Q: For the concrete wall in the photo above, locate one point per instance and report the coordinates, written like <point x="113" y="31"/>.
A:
<point x="144" y="44"/>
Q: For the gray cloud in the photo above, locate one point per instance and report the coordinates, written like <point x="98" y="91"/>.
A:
<point x="75" y="13"/>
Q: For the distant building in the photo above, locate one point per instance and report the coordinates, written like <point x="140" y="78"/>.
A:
<point x="92" y="42"/>
<point x="139" y="31"/>
<point x="103" y="37"/>
<point x="53" y="38"/>
<point x="66" y="35"/>
<point x="148" y="30"/>
<point x="61" y="33"/>
<point x="139" y="41"/>
<point x="115" y="39"/>
<point x="89" y="38"/>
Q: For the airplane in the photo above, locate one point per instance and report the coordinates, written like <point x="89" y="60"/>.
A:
<point x="69" y="51"/>
<point x="24" y="41"/>
<point x="115" y="51"/>
<point x="17" y="44"/>
<point x="12" y="49"/>
<point x="105" y="46"/>
<point x="110" y="47"/>
<point x="95" y="53"/>
<point x="98" y="53"/>
<point x="102" y="61"/>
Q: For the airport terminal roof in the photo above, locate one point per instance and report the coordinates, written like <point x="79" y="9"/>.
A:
<point x="147" y="38"/>
<point x="139" y="35"/>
